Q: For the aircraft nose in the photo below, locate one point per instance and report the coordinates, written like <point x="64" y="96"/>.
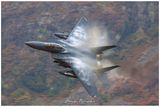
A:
<point x="45" y="46"/>
<point x="35" y="44"/>
<point x="29" y="43"/>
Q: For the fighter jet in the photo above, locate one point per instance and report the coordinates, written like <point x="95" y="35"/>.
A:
<point x="70" y="51"/>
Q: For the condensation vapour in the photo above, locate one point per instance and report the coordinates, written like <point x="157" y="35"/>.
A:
<point x="83" y="39"/>
<point x="96" y="35"/>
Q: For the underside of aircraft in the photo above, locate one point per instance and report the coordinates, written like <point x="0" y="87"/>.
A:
<point x="71" y="51"/>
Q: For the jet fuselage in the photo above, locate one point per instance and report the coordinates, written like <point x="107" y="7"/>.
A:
<point x="46" y="46"/>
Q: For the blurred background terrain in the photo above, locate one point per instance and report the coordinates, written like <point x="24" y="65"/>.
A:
<point x="29" y="77"/>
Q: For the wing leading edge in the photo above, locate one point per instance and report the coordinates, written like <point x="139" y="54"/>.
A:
<point x="78" y="35"/>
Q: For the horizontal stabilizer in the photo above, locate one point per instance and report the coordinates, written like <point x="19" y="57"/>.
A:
<point x="107" y="69"/>
<point x="99" y="50"/>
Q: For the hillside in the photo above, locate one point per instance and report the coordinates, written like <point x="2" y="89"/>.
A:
<point x="29" y="77"/>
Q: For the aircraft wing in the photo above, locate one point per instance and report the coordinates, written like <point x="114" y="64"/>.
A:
<point x="86" y="76"/>
<point x="77" y="38"/>
<point x="78" y="35"/>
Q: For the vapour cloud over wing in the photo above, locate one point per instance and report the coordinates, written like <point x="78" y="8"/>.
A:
<point x="81" y="66"/>
<point x="78" y="35"/>
<point x="81" y="40"/>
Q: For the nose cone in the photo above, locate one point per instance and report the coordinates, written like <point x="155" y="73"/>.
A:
<point x="35" y="44"/>
<point x="32" y="44"/>
<point x="29" y="43"/>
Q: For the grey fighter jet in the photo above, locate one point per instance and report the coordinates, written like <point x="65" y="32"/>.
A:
<point x="72" y="52"/>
